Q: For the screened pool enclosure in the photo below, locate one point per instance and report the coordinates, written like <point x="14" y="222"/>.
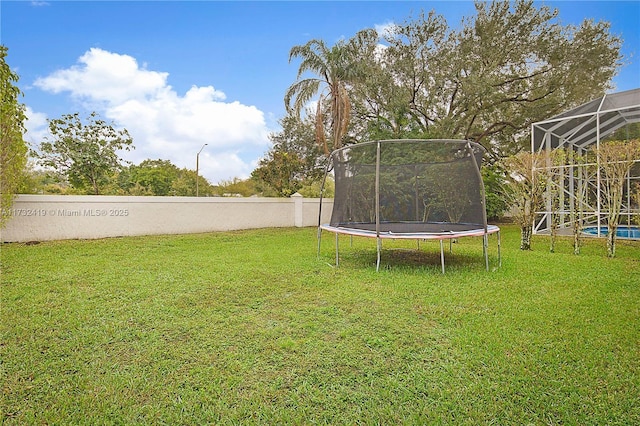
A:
<point x="581" y="131"/>
<point x="409" y="189"/>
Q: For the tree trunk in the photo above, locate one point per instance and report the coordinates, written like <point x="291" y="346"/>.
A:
<point x="611" y="240"/>
<point x="576" y="238"/>
<point x="525" y="237"/>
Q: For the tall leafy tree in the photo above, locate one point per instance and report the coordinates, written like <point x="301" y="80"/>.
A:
<point x="86" y="153"/>
<point x="403" y="76"/>
<point x="509" y="65"/>
<point x="517" y="64"/>
<point x="185" y="184"/>
<point x="13" y="149"/>
<point x="280" y="171"/>
<point x="156" y="176"/>
<point x="293" y="161"/>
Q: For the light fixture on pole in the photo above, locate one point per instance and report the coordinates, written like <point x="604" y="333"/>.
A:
<point x="197" y="167"/>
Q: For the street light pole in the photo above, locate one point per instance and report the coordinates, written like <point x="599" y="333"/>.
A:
<point x="198" y="166"/>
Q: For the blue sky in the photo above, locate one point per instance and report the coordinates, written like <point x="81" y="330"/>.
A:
<point x="178" y="75"/>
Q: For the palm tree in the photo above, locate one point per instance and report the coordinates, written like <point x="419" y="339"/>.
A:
<point x="334" y="69"/>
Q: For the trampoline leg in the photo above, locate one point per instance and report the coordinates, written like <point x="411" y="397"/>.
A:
<point x="319" y="241"/>
<point x="485" y="246"/>
<point x="450" y="245"/>
<point x="337" y="255"/>
<point x="499" y="254"/>
<point x="379" y="244"/>
<point x="442" y="255"/>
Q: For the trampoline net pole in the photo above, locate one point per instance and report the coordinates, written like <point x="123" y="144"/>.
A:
<point x="485" y="238"/>
<point x="379" y="243"/>
<point x="485" y="249"/>
<point x="324" y="181"/>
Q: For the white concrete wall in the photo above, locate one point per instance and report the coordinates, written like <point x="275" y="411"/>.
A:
<point x="53" y="217"/>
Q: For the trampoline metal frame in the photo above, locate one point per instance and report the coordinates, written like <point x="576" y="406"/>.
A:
<point x="441" y="236"/>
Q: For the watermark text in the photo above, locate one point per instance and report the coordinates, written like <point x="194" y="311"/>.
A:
<point x="26" y="212"/>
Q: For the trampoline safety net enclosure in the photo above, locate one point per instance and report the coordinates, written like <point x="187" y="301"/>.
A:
<point x="412" y="189"/>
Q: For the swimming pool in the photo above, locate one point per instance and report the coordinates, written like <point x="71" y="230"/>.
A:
<point x="623" y="231"/>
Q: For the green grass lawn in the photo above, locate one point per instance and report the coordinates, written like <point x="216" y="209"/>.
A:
<point x="251" y="328"/>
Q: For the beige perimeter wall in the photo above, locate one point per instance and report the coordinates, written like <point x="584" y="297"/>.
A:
<point x="53" y="217"/>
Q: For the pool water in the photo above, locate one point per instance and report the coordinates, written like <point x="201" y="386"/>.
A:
<point x="623" y="231"/>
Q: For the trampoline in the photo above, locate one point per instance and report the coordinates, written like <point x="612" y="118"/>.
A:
<point x="409" y="189"/>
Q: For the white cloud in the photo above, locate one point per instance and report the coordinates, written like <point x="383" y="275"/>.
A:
<point x="36" y="126"/>
<point x="106" y="77"/>
<point x="163" y="123"/>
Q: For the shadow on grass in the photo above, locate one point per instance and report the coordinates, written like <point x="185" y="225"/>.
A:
<point x="412" y="258"/>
